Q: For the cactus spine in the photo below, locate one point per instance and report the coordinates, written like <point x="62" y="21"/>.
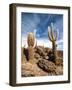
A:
<point x="53" y="37"/>
<point x="31" y="41"/>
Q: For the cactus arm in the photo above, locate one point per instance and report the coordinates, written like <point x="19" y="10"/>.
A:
<point x="52" y="34"/>
<point x="56" y="36"/>
<point x="49" y="31"/>
<point x="49" y="36"/>
<point x="52" y="31"/>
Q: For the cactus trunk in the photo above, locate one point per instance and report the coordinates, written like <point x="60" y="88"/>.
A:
<point x="31" y="41"/>
<point x="54" y="49"/>
<point x="30" y="54"/>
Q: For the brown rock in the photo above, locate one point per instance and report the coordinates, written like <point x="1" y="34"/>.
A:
<point x="40" y="51"/>
<point x="37" y="56"/>
<point x="46" y="57"/>
<point x="59" y="70"/>
<point x="59" y="61"/>
<point x="50" y="67"/>
<point x="47" y="65"/>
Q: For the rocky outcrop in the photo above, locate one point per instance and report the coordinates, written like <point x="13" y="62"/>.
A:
<point x="47" y="66"/>
<point x="40" y="50"/>
<point x="50" y="67"/>
<point x="43" y="64"/>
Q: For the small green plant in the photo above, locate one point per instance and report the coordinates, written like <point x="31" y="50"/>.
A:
<point x="53" y="35"/>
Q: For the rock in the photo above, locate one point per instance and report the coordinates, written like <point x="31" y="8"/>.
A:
<point x="40" y="51"/>
<point x="42" y="64"/>
<point x="37" y="56"/>
<point x="51" y="56"/>
<point x="47" y="65"/>
<point x="59" y="62"/>
<point x="29" y="70"/>
<point x="41" y="58"/>
<point x="50" y="67"/>
<point x="60" y="53"/>
<point x="59" y="70"/>
<point x="46" y="57"/>
<point x="46" y="50"/>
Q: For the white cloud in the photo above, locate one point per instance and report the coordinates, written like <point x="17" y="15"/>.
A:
<point x="43" y="42"/>
<point x="59" y="41"/>
<point x="24" y="42"/>
<point x="40" y="42"/>
<point x="59" y="44"/>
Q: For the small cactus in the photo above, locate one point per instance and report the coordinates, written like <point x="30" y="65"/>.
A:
<point x="53" y="37"/>
<point x="31" y="42"/>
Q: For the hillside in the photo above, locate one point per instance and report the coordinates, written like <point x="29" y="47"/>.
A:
<point x="42" y="64"/>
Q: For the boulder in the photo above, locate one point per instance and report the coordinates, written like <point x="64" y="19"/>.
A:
<point x="40" y="51"/>
<point x="47" y="65"/>
<point x="50" y="67"/>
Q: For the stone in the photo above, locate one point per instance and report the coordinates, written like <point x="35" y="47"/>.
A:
<point x="46" y="57"/>
<point x="59" y="61"/>
<point x="40" y="51"/>
<point x="51" y="56"/>
<point x="47" y="65"/>
<point x="59" y="70"/>
<point x="37" y="56"/>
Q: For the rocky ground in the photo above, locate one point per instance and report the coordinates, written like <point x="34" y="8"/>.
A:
<point x="43" y="64"/>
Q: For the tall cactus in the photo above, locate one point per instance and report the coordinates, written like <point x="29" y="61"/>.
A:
<point x="31" y="42"/>
<point x="53" y="35"/>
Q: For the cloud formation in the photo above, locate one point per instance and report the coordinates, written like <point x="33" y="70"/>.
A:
<point x="39" y="23"/>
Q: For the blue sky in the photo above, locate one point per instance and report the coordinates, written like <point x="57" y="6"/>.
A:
<point x="40" y="22"/>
